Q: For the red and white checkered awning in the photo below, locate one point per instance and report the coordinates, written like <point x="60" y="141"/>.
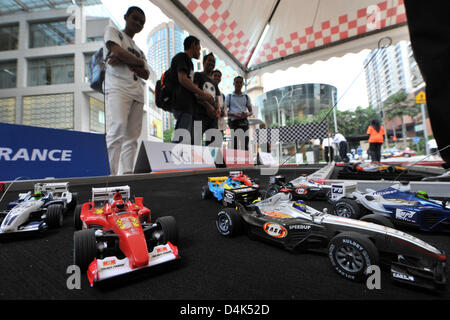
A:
<point x="258" y="36"/>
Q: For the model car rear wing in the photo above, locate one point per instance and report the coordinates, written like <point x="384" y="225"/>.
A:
<point x="105" y="194"/>
<point x="341" y="190"/>
<point x="217" y="180"/>
<point x="57" y="189"/>
<point x="244" y="195"/>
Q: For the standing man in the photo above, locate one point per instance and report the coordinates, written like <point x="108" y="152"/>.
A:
<point x="222" y="124"/>
<point x="328" y="148"/>
<point x="239" y="109"/>
<point x="126" y="72"/>
<point x="376" y="138"/>
<point x="186" y="91"/>
<point x="340" y="141"/>
<point x="206" y="112"/>
<point x="316" y="149"/>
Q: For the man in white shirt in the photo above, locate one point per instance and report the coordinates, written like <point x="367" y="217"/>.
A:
<point x="126" y="72"/>
<point x="328" y="147"/>
<point x="340" y="141"/>
<point x="316" y="149"/>
<point x="222" y="123"/>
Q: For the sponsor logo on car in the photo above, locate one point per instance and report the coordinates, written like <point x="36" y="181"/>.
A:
<point x="301" y="191"/>
<point x="127" y="222"/>
<point x="405" y="215"/>
<point x="275" y="230"/>
<point x="402" y="276"/>
<point x="382" y="193"/>
<point x="109" y="263"/>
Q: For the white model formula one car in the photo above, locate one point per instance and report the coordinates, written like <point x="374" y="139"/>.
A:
<point x="38" y="210"/>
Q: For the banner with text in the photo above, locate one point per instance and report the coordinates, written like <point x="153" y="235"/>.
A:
<point x="170" y="157"/>
<point x="37" y="153"/>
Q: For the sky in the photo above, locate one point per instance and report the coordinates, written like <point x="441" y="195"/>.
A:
<point x="345" y="73"/>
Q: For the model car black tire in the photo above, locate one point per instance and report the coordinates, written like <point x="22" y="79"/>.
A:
<point x="377" y="219"/>
<point x="262" y="194"/>
<point x="55" y="215"/>
<point x="349" y="168"/>
<point x="229" y="223"/>
<point x="77" y="223"/>
<point x="390" y="169"/>
<point x="169" y="227"/>
<point x="84" y="248"/>
<point x="351" y="253"/>
<point x="73" y="204"/>
<point x="347" y="208"/>
<point x="206" y="193"/>
<point x="273" y="190"/>
<point x="328" y="196"/>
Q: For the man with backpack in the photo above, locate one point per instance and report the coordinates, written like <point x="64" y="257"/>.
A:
<point x="124" y="83"/>
<point x="205" y="112"/>
<point x="239" y="109"/>
<point x="185" y="91"/>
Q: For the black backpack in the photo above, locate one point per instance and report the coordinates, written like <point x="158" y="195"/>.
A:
<point x="164" y="92"/>
<point x="97" y="69"/>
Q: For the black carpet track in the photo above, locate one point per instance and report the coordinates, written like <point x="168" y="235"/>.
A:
<point x="211" y="267"/>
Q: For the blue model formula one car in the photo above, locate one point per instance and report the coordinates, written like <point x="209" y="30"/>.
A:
<point x="397" y="203"/>
<point x="217" y="185"/>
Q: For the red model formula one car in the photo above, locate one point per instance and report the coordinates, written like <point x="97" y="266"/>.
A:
<point x="117" y="235"/>
<point x="244" y="179"/>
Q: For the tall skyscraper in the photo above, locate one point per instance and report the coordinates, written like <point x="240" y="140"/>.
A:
<point x="390" y="70"/>
<point x="164" y="42"/>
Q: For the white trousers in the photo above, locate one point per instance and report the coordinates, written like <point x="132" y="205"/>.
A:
<point x="123" y="128"/>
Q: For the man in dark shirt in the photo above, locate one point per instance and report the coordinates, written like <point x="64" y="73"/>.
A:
<point x="206" y="112"/>
<point x="185" y="91"/>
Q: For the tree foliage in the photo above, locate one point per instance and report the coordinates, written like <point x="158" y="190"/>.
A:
<point x="168" y="135"/>
<point x="399" y="105"/>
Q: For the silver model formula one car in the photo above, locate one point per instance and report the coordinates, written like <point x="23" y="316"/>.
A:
<point x="352" y="245"/>
<point x="38" y="210"/>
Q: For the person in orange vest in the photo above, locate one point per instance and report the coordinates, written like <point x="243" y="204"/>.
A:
<point x="376" y="138"/>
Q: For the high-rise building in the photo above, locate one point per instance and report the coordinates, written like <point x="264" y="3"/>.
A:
<point x="164" y="42"/>
<point x="390" y="70"/>
<point x="45" y="52"/>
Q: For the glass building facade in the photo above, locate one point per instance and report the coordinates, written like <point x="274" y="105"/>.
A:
<point x="164" y="42"/>
<point x="281" y="106"/>
<point x="44" y="65"/>
<point x="10" y="36"/>
<point x="53" y="33"/>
